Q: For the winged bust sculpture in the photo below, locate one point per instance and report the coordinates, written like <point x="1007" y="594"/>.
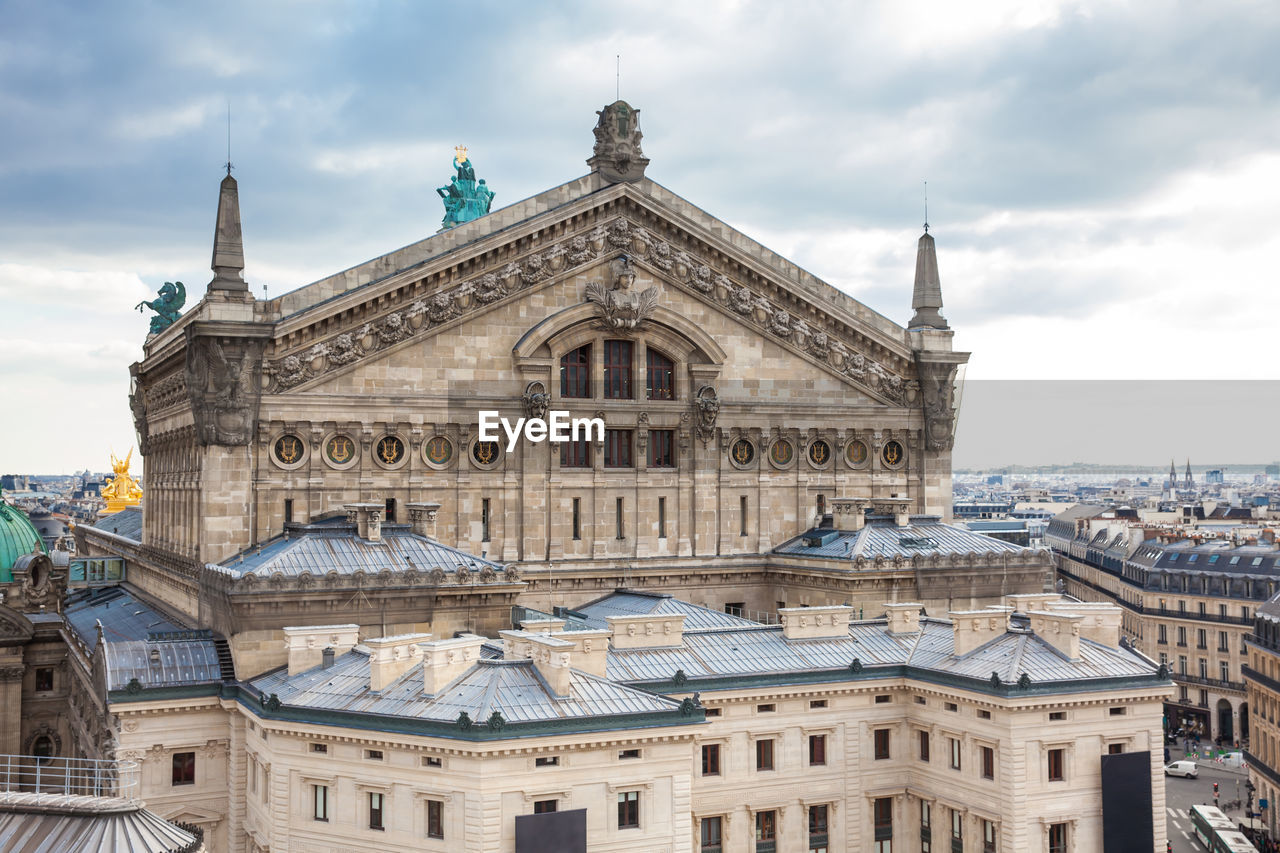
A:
<point x="618" y="307"/>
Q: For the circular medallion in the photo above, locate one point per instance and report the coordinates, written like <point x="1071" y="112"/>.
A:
<point x="893" y="454"/>
<point x="742" y="453"/>
<point x="486" y="454"/>
<point x="782" y="453"/>
<point x="289" y="451"/>
<point x="819" y="453"/>
<point x="340" y="451"/>
<point x="856" y="454"/>
<point x="438" y="451"/>
<point x="389" y="451"/>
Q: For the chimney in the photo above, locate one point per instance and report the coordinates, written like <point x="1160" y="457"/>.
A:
<point x="900" y="508"/>
<point x="391" y="657"/>
<point x="422" y="515"/>
<point x="543" y="626"/>
<point x="590" y="650"/>
<point x="1101" y="620"/>
<point x="445" y="660"/>
<point x="367" y="517"/>
<point x="1025" y="602"/>
<point x="228" y="244"/>
<point x="849" y="513"/>
<point x="974" y="628"/>
<point x="307" y="644"/>
<point x="1060" y="630"/>
<point x="816" y="623"/>
<point x="326" y="658"/>
<point x="552" y="656"/>
<point x="647" y="631"/>
<point x="904" y="616"/>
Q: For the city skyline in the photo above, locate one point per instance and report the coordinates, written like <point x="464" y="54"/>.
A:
<point x="1095" y="205"/>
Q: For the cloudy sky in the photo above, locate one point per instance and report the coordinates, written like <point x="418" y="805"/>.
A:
<point x="1103" y="178"/>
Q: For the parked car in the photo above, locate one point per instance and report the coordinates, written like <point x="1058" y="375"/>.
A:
<point x="1185" y="769"/>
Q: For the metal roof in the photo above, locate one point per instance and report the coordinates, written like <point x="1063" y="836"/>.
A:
<point x="127" y="523"/>
<point x="24" y="829"/>
<point x="883" y="538"/>
<point x="627" y="602"/>
<point x="764" y="650"/>
<point x="512" y="687"/>
<point x="140" y="641"/>
<point x="321" y="548"/>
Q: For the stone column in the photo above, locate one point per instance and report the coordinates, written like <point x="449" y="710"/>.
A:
<point x="11" y="670"/>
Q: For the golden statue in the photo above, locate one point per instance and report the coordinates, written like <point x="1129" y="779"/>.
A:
<point x="123" y="490"/>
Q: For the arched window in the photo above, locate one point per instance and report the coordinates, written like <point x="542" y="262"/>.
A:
<point x="659" y="376"/>
<point x="575" y="372"/>
<point x="42" y="749"/>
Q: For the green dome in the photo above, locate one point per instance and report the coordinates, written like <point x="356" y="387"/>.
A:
<point x="18" y="536"/>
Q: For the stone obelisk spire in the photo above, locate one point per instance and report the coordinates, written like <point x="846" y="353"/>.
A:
<point x="926" y="298"/>
<point x="228" y="245"/>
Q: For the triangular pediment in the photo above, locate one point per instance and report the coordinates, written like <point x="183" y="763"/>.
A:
<point x="667" y="239"/>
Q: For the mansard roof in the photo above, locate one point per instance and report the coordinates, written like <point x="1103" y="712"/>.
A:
<point x="626" y="602"/>
<point x="333" y="545"/>
<point x="924" y="535"/>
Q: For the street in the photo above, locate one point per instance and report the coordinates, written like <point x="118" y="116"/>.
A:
<point x="1181" y="794"/>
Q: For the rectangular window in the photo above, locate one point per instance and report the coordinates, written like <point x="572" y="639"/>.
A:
<point x="617" y="370"/>
<point x="984" y="715"/>
<point x="389" y="506"/>
<point x="575" y="373"/>
<point x="1224" y="670"/>
<point x="622" y="531"/>
<point x="766" y="709"/>
<point x="1182" y="664"/>
<point x="547" y="761"/>
<point x="320" y="802"/>
<point x="1182" y="635"/>
<point x="767" y="826"/>
<point x="711" y="831"/>
<point x="659" y="373"/>
<point x="545" y="806"/>
<point x="1162" y="635"/>
<point x="926" y="828"/>
<point x="924" y="745"/>
<point x="1057" y="716"/>
<point x="817" y="824"/>
<point x="817" y="749"/>
<point x="988" y="762"/>
<point x="44" y="679"/>
<point x="882" y="820"/>
<point x="881" y="744"/>
<point x="1204" y="668"/>
<point x="575" y="453"/>
<point x="734" y="608"/>
<point x="1115" y="748"/>
<point x="742" y="515"/>
<point x="957" y="831"/>
<point x="662" y="518"/>
<point x="577" y="518"/>
<point x="628" y="810"/>
<point x="1201" y="639"/>
<point x="375" y="810"/>
<point x="432" y="761"/>
<point x="617" y="448"/>
<point x="373" y="754"/>
<point x="184" y="768"/>
<point x="662" y="448"/>
<point x="817" y="703"/>
<point x="1057" y="838"/>
<point x="955" y="753"/>
<point x="484" y="519"/>
<point x="711" y="759"/>
<point x="435" y="819"/>
<point x="988" y="837"/>
<point x="624" y="754"/>
<point x="764" y="754"/>
<point x="319" y="747"/>
<point x="1056" y="769"/>
<point x="1223" y="644"/>
<point x="288" y="510"/>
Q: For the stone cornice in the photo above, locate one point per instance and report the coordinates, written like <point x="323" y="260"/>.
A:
<point x="399" y="311"/>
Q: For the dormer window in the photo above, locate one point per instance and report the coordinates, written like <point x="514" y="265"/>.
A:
<point x="575" y="373"/>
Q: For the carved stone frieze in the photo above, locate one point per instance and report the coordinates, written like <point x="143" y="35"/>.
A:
<point x="222" y="376"/>
<point x="618" y="307"/>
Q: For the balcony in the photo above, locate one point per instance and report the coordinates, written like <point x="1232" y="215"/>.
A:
<point x="37" y="780"/>
<point x="1217" y="683"/>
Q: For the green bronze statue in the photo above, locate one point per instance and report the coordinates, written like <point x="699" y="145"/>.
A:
<point x="167" y="305"/>
<point x="465" y="199"/>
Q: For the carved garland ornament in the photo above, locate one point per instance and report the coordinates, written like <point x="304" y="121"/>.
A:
<point x="340" y="350"/>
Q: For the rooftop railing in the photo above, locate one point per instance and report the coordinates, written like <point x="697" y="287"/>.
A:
<point x="70" y="777"/>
